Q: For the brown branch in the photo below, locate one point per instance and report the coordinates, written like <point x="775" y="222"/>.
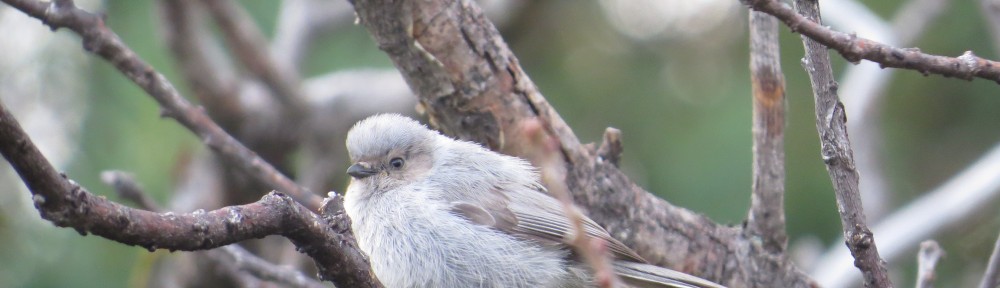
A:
<point x="237" y="259"/>
<point x="251" y="47"/>
<point x="863" y="89"/>
<point x="836" y="152"/>
<point x="927" y="258"/>
<point x="472" y="87"/>
<point x="100" y="40"/>
<point x="215" y="86"/>
<point x="853" y="48"/>
<point x="767" y="208"/>
<point x="991" y="277"/>
<point x="66" y="204"/>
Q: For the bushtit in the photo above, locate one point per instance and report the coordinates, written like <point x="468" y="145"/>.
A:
<point x="431" y="211"/>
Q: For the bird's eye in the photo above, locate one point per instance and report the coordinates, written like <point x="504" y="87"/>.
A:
<point x="396" y="162"/>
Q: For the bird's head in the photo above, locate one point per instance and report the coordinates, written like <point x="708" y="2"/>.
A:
<point x="388" y="151"/>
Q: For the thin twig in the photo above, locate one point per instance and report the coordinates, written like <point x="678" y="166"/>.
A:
<point x="201" y="59"/>
<point x="100" y="40"/>
<point x="991" y="277"/>
<point x="271" y="132"/>
<point x="594" y="251"/>
<point x="927" y="258"/>
<point x="249" y="44"/>
<point x="767" y="208"/>
<point x="974" y="190"/>
<point x="248" y="262"/>
<point x="861" y="87"/>
<point x="854" y="49"/>
<point x="124" y="183"/>
<point x="863" y="90"/>
<point x="837" y="154"/>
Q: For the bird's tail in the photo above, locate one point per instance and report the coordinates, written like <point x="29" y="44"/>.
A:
<point x="648" y="276"/>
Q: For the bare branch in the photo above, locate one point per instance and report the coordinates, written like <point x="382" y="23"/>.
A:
<point x="861" y="88"/>
<point x="991" y="277"/>
<point x="209" y="74"/>
<point x="546" y="158"/>
<point x="100" y="40"/>
<point x="974" y="190"/>
<point x="249" y="44"/>
<point x="126" y="186"/>
<point x="767" y="207"/>
<point x="837" y="154"/>
<point x="66" y="204"/>
<point x="245" y="261"/>
<point x="240" y="260"/>
<point x="927" y="258"/>
<point x="853" y="48"/>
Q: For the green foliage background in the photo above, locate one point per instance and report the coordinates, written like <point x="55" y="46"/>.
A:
<point x="686" y="129"/>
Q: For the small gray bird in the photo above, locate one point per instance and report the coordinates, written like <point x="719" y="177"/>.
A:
<point x="431" y="211"/>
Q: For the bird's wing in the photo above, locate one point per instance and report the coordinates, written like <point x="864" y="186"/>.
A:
<point x="528" y="212"/>
<point x="649" y="276"/>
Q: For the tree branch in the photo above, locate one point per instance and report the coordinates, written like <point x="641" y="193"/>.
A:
<point x="127" y="188"/>
<point x="767" y="207"/>
<point x="251" y="47"/>
<point x="66" y="204"/>
<point x="927" y="258"/>
<point x="245" y="261"/>
<point x="211" y="78"/>
<point x="836" y="152"/>
<point x="239" y="260"/>
<point x="853" y="48"/>
<point x="100" y="40"/>
<point x="972" y="191"/>
<point x="862" y="87"/>
<point x="991" y="277"/>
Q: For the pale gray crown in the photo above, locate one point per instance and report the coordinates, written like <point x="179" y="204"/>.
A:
<point x="377" y="135"/>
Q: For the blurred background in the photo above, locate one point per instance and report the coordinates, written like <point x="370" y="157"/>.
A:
<point x="672" y="75"/>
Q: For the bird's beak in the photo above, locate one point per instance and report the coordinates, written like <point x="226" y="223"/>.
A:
<point x="360" y="170"/>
